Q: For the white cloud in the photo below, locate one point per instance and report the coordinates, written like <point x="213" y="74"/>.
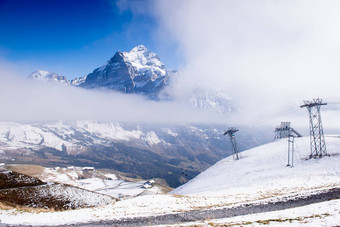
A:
<point x="268" y="55"/>
<point x="270" y="46"/>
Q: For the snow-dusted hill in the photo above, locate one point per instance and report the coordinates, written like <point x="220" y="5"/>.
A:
<point x="263" y="171"/>
<point x="100" y="181"/>
<point x="26" y="191"/>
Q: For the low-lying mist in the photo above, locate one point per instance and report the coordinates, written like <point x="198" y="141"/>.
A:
<point x="25" y="100"/>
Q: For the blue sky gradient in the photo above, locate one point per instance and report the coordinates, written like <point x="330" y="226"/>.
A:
<point x="74" y="37"/>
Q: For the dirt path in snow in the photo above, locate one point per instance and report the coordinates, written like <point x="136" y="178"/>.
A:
<point x="189" y="216"/>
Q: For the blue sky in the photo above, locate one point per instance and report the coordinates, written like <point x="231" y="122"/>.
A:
<point x="73" y="37"/>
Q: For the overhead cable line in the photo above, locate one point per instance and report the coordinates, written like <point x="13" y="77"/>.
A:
<point x="272" y="117"/>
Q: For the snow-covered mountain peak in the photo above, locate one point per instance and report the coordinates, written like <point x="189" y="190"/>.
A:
<point x="139" y="48"/>
<point x="40" y="74"/>
<point x="47" y="76"/>
<point x="140" y="56"/>
<point x="137" y="71"/>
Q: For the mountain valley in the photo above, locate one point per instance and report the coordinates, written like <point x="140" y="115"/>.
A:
<point x="174" y="153"/>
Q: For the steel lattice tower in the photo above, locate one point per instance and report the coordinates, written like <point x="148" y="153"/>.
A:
<point x="290" y="149"/>
<point x="282" y="131"/>
<point x="231" y="133"/>
<point x="317" y="139"/>
<point x="285" y="131"/>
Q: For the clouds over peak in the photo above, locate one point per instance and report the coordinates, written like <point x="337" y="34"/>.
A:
<point x="284" y="50"/>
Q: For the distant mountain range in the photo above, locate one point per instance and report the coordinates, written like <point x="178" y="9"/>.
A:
<point x="138" y="71"/>
<point x="175" y="153"/>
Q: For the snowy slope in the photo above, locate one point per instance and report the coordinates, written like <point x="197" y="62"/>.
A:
<point x="263" y="170"/>
<point x="74" y="196"/>
<point x="27" y="191"/>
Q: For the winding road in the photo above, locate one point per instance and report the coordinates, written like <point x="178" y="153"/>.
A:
<point x="244" y="209"/>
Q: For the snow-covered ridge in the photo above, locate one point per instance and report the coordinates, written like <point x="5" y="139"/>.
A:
<point x="46" y="76"/>
<point x="61" y="135"/>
